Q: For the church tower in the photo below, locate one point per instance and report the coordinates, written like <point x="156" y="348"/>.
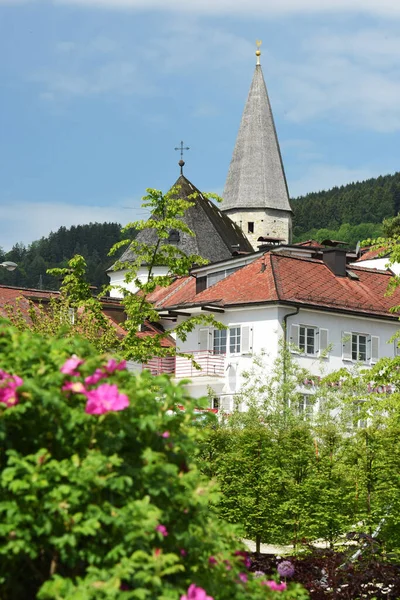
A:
<point x="256" y="195"/>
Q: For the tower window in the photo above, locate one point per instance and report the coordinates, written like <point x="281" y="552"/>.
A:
<point x="250" y="227"/>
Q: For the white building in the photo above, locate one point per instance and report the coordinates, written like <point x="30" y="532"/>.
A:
<point x="337" y="316"/>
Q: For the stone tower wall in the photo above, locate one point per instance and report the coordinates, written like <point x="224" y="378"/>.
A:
<point x="266" y="223"/>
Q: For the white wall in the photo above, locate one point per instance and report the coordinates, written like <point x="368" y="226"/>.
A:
<point x="378" y="263"/>
<point x="117" y="278"/>
<point x="268" y="331"/>
<point x="336" y="324"/>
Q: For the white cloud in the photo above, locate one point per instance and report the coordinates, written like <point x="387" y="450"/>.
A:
<point x="261" y="7"/>
<point x="323" y="177"/>
<point x="117" y="77"/>
<point x="351" y="78"/>
<point x="29" y="221"/>
<point x="389" y="8"/>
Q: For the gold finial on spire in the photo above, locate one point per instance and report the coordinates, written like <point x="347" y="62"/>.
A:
<point x="258" y="51"/>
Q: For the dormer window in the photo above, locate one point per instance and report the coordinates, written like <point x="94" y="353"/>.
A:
<point x="250" y="227"/>
<point x="174" y="237"/>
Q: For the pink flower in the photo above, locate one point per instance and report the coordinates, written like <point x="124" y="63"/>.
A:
<point x="95" y="377"/>
<point x="245" y="557"/>
<point x="70" y="366"/>
<point x="183" y="552"/>
<point x="212" y="560"/>
<point x="166" y="434"/>
<point x="162" y="529"/>
<point x="105" y="398"/>
<point x="274" y="586"/>
<point x="243" y="577"/>
<point x="74" y="386"/>
<point x="228" y="565"/>
<point x="112" y="366"/>
<point x="196" y="593"/>
<point x="8" y="386"/>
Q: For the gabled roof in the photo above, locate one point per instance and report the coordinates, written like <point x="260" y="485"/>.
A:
<point x="256" y="177"/>
<point x="215" y="235"/>
<point x="279" y="277"/>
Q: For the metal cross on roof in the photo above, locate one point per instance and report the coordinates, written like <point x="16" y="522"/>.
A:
<point x="182" y="148"/>
<point x="182" y="162"/>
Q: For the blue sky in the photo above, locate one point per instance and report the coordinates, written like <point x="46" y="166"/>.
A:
<point x="97" y="93"/>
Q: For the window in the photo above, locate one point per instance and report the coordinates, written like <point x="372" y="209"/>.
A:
<point x="250" y="227"/>
<point x="71" y="314"/>
<point x="237" y="339"/>
<point x="219" y="341"/>
<point x="234" y="340"/>
<point x="215" y="402"/>
<point x="359" y="347"/>
<point x="307" y="341"/>
<point x="304" y="406"/>
<point x="310" y="340"/>
<point x="361" y="423"/>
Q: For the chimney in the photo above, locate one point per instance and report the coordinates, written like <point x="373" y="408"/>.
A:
<point x="335" y="260"/>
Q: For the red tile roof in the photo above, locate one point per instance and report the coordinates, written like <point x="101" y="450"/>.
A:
<point x="20" y="298"/>
<point x="282" y="277"/>
<point x="371" y="253"/>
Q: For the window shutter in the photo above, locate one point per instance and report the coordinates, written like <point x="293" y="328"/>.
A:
<point x="246" y="339"/>
<point x="294" y="336"/>
<point x="397" y="347"/>
<point x="374" y="349"/>
<point x="323" y="342"/>
<point x="346" y="345"/>
<point x="204" y="336"/>
<point x="225" y="403"/>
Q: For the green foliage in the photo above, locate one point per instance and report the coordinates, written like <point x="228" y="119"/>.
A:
<point x="357" y="203"/>
<point x="73" y="312"/>
<point x="92" y="241"/>
<point x="351" y="234"/>
<point x="288" y="476"/>
<point x="166" y="211"/>
<point x="105" y="506"/>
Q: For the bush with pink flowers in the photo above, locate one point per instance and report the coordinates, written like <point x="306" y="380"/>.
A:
<point x="99" y="494"/>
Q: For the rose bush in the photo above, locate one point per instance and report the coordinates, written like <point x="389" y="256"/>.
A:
<point x="99" y="494"/>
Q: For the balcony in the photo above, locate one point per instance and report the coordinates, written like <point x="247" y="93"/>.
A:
<point x="160" y="365"/>
<point x="211" y="365"/>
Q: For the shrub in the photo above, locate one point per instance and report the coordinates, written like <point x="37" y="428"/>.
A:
<point x="99" y="497"/>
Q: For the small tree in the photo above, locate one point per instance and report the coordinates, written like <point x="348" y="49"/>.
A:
<point x="166" y="211"/>
<point x="74" y="311"/>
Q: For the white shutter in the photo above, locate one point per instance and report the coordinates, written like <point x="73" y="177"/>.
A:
<point x="346" y="345"/>
<point x="204" y="336"/>
<point x="374" y="349"/>
<point x="246" y="342"/>
<point x="294" y="336"/>
<point x="225" y="403"/>
<point x="323" y="342"/>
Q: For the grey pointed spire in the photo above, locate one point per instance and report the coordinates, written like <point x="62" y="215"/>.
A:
<point x="256" y="177"/>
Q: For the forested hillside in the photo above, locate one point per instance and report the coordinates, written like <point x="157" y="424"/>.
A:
<point x="92" y="241"/>
<point x="350" y="213"/>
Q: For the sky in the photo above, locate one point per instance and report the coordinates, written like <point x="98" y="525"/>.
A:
<point x="97" y="94"/>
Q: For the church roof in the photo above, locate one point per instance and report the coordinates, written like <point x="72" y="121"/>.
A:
<point x="256" y="177"/>
<point x="215" y="235"/>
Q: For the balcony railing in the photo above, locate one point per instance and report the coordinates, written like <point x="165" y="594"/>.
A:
<point x="159" y="365"/>
<point x="211" y="365"/>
